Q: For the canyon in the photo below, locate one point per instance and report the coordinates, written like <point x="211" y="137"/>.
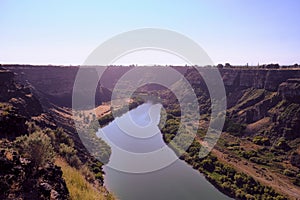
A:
<point x="263" y="111"/>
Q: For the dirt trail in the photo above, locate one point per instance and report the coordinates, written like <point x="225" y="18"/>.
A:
<point x="263" y="175"/>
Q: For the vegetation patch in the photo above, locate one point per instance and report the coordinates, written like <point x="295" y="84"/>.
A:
<point x="260" y="140"/>
<point x="78" y="186"/>
<point x="233" y="128"/>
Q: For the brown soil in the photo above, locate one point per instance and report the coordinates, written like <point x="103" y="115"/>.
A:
<point x="102" y="110"/>
<point x="259" y="125"/>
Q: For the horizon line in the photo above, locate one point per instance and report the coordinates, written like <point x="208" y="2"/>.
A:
<point x="163" y="65"/>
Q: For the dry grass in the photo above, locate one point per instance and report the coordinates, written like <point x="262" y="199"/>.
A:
<point x="77" y="185"/>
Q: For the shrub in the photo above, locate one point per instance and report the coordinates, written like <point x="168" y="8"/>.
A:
<point x="233" y="148"/>
<point x="74" y="161"/>
<point x="99" y="176"/>
<point x="259" y="140"/>
<point x="105" y="119"/>
<point x="240" y="179"/>
<point x="232" y="144"/>
<point x="281" y="144"/>
<point x="279" y="197"/>
<point x="240" y="194"/>
<point x="249" y="154"/>
<point x="32" y="127"/>
<point x="235" y="129"/>
<point x="208" y="165"/>
<point x="62" y="137"/>
<point x="96" y="167"/>
<point x="65" y="150"/>
<point x="226" y="185"/>
<point x="250" y="197"/>
<point x="69" y="153"/>
<point x="89" y="176"/>
<point x="289" y="173"/>
<point x="36" y="147"/>
<point x="258" y="160"/>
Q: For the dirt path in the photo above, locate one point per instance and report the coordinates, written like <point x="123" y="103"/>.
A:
<point x="263" y="175"/>
<point x="102" y="110"/>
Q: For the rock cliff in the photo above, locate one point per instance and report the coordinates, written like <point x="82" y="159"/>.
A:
<point x="54" y="84"/>
<point x="17" y="105"/>
<point x="255" y="94"/>
<point x="19" y="181"/>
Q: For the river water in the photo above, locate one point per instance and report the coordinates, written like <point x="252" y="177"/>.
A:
<point x="175" y="181"/>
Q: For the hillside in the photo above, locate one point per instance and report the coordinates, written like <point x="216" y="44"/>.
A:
<point x="34" y="132"/>
<point x="258" y="150"/>
<point x="260" y="138"/>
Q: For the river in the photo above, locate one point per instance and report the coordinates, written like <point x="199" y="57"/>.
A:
<point x="175" y="181"/>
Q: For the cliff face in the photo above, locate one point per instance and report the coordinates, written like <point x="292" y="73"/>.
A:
<point x="267" y="99"/>
<point x="263" y="94"/>
<point x="290" y="90"/>
<point x="17" y="105"/>
<point x="268" y="79"/>
<point x="252" y="94"/>
<point x="54" y="85"/>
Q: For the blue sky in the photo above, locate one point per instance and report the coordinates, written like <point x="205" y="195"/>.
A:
<point x="66" y="32"/>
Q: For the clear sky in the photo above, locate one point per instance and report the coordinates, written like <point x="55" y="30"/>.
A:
<point x="235" y="31"/>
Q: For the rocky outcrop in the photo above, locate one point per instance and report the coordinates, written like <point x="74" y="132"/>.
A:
<point x="20" y="181"/>
<point x="17" y="105"/>
<point x="255" y="94"/>
<point x="268" y="86"/>
<point x="12" y="126"/>
<point x="257" y="111"/>
<point x="290" y="90"/>
<point x="18" y="95"/>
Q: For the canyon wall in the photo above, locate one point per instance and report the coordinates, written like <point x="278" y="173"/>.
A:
<point x="55" y="84"/>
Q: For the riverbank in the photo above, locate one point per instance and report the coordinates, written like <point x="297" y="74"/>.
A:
<point x="262" y="174"/>
<point x="221" y="174"/>
<point x="175" y="180"/>
<point x="232" y="182"/>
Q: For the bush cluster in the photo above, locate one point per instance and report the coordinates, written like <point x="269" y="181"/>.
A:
<point x="225" y="177"/>
<point x="36" y="147"/>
